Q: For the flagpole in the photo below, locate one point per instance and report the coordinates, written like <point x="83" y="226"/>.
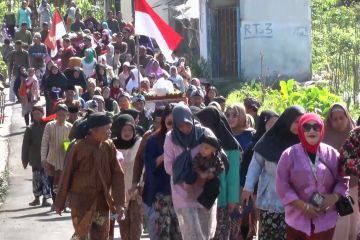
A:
<point x="138" y="60"/>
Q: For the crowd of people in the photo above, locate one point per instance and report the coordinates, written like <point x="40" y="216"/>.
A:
<point x="191" y="170"/>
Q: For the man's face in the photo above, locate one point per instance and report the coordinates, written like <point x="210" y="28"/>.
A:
<point x="23" y="28"/>
<point x="110" y="15"/>
<point x="66" y="44"/>
<point x="197" y="101"/>
<point x="61" y="116"/>
<point x="18" y="47"/>
<point x="101" y="133"/>
<point x="142" y="51"/>
<point x="139" y="105"/>
<point x="45" y="27"/>
<point x="37" y="40"/>
<point x="70" y="94"/>
<point x="119" y="15"/>
<point x="37" y="115"/>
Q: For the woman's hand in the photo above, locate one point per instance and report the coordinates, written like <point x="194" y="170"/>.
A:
<point x="311" y="211"/>
<point x="329" y="201"/>
<point x="246" y="196"/>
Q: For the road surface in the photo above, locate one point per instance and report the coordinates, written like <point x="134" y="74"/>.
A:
<point x="17" y="219"/>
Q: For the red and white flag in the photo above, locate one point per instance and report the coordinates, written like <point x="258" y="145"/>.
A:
<point x="148" y="23"/>
<point x="57" y="31"/>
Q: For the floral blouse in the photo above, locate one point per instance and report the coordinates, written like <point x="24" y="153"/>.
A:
<point x="350" y="154"/>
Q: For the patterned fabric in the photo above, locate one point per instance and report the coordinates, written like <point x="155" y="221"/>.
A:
<point x="166" y="222"/>
<point x="131" y="227"/>
<point x="40" y="184"/>
<point x="273" y="226"/>
<point x="350" y="156"/>
<point x="93" y="225"/>
<point x="227" y="227"/>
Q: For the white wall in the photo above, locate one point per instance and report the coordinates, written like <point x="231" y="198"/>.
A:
<point x="281" y="31"/>
<point x="162" y="10"/>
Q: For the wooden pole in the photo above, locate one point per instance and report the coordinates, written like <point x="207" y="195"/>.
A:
<point x="138" y="60"/>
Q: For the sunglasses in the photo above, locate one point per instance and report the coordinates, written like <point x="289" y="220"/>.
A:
<point x="316" y="127"/>
<point x="233" y="115"/>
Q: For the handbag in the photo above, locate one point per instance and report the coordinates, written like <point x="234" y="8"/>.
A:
<point x="344" y="204"/>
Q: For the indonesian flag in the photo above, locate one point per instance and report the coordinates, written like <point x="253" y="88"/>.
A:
<point x="57" y="31"/>
<point x="148" y="23"/>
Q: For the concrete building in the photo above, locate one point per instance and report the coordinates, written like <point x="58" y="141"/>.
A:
<point x="160" y="7"/>
<point x="247" y="38"/>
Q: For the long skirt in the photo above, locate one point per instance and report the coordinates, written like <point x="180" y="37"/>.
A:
<point x="228" y="227"/>
<point x="131" y="226"/>
<point x="166" y="222"/>
<point x="293" y="234"/>
<point x="197" y="223"/>
<point x="91" y="225"/>
<point x="273" y="226"/>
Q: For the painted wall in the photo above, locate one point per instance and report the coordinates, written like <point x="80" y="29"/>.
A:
<point x="280" y="31"/>
<point x="162" y="10"/>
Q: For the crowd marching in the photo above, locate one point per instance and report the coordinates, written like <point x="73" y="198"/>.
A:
<point x="191" y="170"/>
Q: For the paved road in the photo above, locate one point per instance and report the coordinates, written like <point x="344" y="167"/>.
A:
<point x="17" y="219"/>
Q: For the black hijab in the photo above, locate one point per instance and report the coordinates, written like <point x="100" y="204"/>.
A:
<point x="58" y="80"/>
<point x="211" y="117"/>
<point x="122" y="121"/>
<point x="279" y="137"/>
<point x="72" y="81"/>
<point x="264" y="117"/>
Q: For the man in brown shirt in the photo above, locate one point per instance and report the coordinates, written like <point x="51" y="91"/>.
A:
<point x="91" y="170"/>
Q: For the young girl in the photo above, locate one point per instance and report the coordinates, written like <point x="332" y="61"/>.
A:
<point x="115" y="89"/>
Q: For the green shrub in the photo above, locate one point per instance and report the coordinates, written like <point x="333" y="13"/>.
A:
<point x="313" y="98"/>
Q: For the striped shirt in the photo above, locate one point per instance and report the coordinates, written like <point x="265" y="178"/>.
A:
<point x="52" y="144"/>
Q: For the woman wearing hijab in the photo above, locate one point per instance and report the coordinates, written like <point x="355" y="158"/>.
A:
<point x="153" y="67"/>
<point x="266" y="120"/>
<point x="228" y="199"/>
<point x="88" y="62"/>
<point x="181" y="145"/>
<point x="162" y="220"/>
<point x="133" y="81"/>
<point x="127" y="142"/>
<point x="262" y="170"/>
<point x="307" y="172"/>
<point x="105" y="26"/>
<point x="338" y="125"/>
<point x="76" y="77"/>
<point x="55" y="82"/>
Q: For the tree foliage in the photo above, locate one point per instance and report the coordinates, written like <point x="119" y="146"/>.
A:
<point x="336" y="39"/>
<point x="313" y="98"/>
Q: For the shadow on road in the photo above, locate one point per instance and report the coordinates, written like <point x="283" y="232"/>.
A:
<point x="43" y="214"/>
<point x="19" y="209"/>
<point x="12" y="134"/>
<point x="57" y="219"/>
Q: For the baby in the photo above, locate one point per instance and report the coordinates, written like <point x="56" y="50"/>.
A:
<point x="208" y="164"/>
